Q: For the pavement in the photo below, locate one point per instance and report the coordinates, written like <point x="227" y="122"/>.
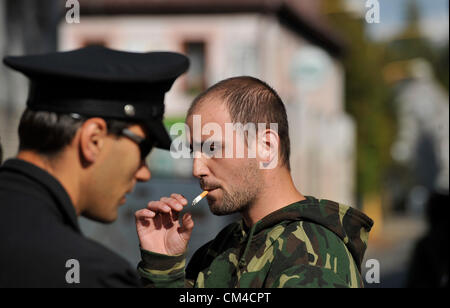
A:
<point x="392" y="248"/>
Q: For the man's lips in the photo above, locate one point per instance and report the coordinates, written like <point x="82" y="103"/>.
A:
<point x="122" y="201"/>
<point x="209" y="189"/>
<point x="124" y="197"/>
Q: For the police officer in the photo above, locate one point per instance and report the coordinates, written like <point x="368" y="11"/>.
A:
<point x="92" y="117"/>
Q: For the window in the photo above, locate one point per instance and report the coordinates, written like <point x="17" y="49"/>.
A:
<point x="195" y="80"/>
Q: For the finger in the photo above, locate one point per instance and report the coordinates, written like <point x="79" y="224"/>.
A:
<point x="158" y="206"/>
<point x="144" y="218"/>
<point x="173" y="203"/>
<point x="144" y="213"/>
<point x="180" y="198"/>
<point x="187" y="227"/>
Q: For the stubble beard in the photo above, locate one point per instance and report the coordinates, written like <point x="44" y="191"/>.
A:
<point x="241" y="196"/>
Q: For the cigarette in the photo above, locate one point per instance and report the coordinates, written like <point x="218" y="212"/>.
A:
<point x="199" y="197"/>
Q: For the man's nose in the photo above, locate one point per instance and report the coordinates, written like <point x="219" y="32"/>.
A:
<point x="200" y="168"/>
<point x="143" y="174"/>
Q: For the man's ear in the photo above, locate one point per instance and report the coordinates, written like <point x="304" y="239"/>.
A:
<point x="92" y="139"/>
<point x="268" y="148"/>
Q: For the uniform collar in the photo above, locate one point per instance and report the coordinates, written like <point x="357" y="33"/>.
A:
<point x="51" y="184"/>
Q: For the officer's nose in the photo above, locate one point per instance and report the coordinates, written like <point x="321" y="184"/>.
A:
<point x="143" y="174"/>
<point x="200" y="167"/>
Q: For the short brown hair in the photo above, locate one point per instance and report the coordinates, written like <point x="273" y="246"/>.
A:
<point x="250" y="100"/>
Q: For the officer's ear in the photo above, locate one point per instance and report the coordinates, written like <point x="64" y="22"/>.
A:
<point x="92" y="138"/>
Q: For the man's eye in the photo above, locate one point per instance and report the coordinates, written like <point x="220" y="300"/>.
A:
<point x="212" y="147"/>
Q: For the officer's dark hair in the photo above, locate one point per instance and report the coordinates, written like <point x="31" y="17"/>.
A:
<point x="250" y="100"/>
<point x="48" y="133"/>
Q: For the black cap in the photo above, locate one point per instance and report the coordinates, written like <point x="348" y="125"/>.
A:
<point x="101" y="82"/>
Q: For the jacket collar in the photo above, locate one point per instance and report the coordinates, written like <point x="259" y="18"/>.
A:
<point x="59" y="195"/>
<point x="349" y="224"/>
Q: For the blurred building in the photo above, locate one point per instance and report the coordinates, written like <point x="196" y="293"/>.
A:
<point x="286" y="43"/>
<point x="26" y="27"/>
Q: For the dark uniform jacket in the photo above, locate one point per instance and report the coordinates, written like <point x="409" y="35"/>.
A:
<point x="39" y="234"/>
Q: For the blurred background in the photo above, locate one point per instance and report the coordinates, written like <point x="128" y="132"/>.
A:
<point x="367" y="102"/>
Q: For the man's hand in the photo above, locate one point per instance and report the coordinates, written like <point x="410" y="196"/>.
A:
<point x="158" y="227"/>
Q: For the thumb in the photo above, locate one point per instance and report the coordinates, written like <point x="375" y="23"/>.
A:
<point x="187" y="227"/>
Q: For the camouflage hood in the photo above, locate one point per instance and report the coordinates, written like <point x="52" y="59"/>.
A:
<point x="349" y="224"/>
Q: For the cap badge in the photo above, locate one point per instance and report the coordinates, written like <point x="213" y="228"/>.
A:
<point x="129" y="110"/>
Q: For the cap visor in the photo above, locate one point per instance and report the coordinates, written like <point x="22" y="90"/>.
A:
<point x="159" y="132"/>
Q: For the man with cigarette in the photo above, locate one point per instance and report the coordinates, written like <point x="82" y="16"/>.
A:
<point x="284" y="239"/>
<point x="93" y="115"/>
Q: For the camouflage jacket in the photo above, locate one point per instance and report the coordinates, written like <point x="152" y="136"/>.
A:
<point x="310" y="243"/>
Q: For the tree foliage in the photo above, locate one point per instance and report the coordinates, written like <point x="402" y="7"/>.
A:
<point x="369" y="91"/>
